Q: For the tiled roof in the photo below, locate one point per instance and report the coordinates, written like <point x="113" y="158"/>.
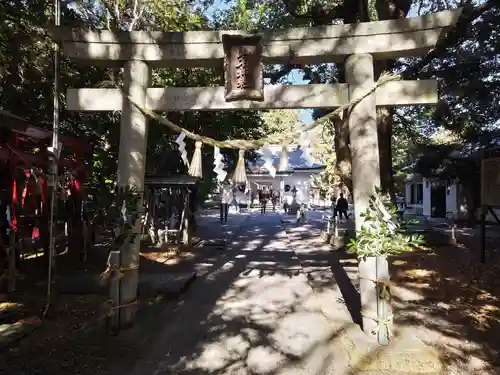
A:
<point x="295" y="161"/>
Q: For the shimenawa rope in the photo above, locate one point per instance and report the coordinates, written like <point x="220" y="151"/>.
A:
<point x="243" y="144"/>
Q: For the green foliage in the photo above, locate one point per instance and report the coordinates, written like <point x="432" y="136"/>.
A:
<point x="26" y="65"/>
<point x="323" y="150"/>
<point x="467" y="117"/>
<point x="383" y="232"/>
<point x="467" y="71"/>
<point x="280" y="121"/>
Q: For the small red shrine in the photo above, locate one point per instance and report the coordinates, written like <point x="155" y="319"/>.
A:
<point x="25" y="193"/>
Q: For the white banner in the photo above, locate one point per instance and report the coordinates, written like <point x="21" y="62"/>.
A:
<point x="219" y="165"/>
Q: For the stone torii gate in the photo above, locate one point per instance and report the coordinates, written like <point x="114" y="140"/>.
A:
<point x="358" y="45"/>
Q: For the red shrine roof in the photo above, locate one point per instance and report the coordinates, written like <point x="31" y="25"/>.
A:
<point x="22" y="127"/>
<point x="27" y="132"/>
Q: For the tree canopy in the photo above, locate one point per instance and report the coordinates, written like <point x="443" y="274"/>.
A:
<point x="466" y="64"/>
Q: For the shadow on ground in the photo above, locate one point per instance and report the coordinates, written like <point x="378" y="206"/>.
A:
<point x="266" y="306"/>
<point x="444" y="295"/>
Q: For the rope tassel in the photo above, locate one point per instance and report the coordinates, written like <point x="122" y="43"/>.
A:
<point x="240" y="174"/>
<point x="195" y="168"/>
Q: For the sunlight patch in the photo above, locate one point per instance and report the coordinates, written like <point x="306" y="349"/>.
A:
<point x="264" y="360"/>
<point x="299" y="333"/>
<point x="216" y="356"/>
<point x="417" y="273"/>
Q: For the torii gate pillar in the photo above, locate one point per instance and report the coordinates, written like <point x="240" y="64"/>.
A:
<point x="356" y="44"/>
<point x="362" y="133"/>
<point x="365" y="178"/>
<point x="131" y="169"/>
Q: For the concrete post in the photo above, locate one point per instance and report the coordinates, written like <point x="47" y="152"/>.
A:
<point x="131" y="168"/>
<point x="282" y="191"/>
<point x="365" y="174"/>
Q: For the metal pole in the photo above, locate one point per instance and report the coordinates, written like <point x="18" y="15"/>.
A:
<point x="483" y="233"/>
<point x="55" y="158"/>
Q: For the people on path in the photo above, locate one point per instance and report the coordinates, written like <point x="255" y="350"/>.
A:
<point x="226" y="199"/>
<point x="241" y="198"/>
<point x="263" y="198"/>
<point x="341" y="207"/>
<point x="274" y="200"/>
<point x="285" y="206"/>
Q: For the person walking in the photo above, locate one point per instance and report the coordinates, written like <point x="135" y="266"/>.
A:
<point x="263" y="197"/>
<point x="274" y="200"/>
<point x="226" y="199"/>
<point x="342" y="206"/>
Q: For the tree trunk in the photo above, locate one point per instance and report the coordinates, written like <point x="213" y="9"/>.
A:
<point x="357" y="11"/>
<point x="387" y="9"/>
<point x="384" y="129"/>
<point x="343" y="152"/>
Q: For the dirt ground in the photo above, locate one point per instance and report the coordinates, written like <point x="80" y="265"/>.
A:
<point x="70" y="340"/>
<point x="446" y="290"/>
<point x="455" y="301"/>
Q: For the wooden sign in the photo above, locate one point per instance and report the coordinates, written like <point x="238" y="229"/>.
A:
<point x="490" y="182"/>
<point x="243" y="76"/>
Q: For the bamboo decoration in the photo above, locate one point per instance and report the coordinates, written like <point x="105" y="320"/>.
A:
<point x="240" y="174"/>
<point x="195" y="168"/>
<point x="283" y="160"/>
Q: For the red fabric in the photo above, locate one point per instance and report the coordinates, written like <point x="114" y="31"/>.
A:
<point x="25" y="189"/>
<point x="75" y="144"/>
<point x="13" y="205"/>
<point x="29" y="196"/>
<point x="15" y="200"/>
<point x="35" y="234"/>
<point x="43" y="185"/>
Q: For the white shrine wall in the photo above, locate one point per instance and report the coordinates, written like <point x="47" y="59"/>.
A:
<point x="300" y="179"/>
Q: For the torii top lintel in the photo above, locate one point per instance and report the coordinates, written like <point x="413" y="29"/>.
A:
<point x="383" y="39"/>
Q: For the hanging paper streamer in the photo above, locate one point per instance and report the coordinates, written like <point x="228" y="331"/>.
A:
<point x="182" y="147"/>
<point x="195" y="169"/>
<point x="283" y="167"/>
<point x="305" y="142"/>
<point x="240" y="173"/>
<point x="219" y="165"/>
<point x="267" y="156"/>
<point x="124" y="212"/>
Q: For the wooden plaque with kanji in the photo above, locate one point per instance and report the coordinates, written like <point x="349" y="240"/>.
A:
<point x="243" y="76"/>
